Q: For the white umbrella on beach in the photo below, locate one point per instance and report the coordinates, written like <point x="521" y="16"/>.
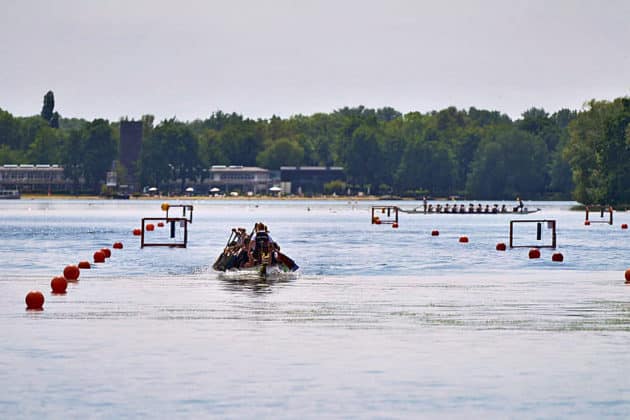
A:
<point x="153" y="189"/>
<point x="275" y="189"/>
<point x="190" y="189"/>
<point x="215" y="190"/>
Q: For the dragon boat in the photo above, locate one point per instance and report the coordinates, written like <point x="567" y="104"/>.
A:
<point x="253" y="254"/>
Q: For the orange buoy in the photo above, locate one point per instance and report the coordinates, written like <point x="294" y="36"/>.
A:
<point x="137" y="232"/>
<point x="624" y="226"/>
<point x="165" y="206"/>
<point x="587" y="223"/>
<point x="99" y="257"/>
<point x="534" y="253"/>
<point x="628" y="276"/>
<point x="463" y="239"/>
<point x="34" y="300"/>
<point x="84" y="264"/>
<point x="557" y="257"/>
<point x="107" y="252"/>
<point x="501" y="246"/>
<point x="160" y="224"/>
<point x="395" y="225"/>
<point x="117" y="245"/>
<point x="71" y="272"/>
<point x="150" y="227"/>
<point x="435" y="233"/>
<point x="59" y="285"/>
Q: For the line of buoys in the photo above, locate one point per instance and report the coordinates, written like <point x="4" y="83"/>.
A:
<point x="534" y="253"/>
<point x="557" y="257"/>
<point x="34" y="300"/>
<point x="624" y="226"/>
<point x="59" y="284"/>
<point x="137" y="232"/>
<point x="435" y="233"/>
<point x="501" y="246"/>
<point x="117" y="245"/>
<point x="71" y="273"/>
<point x="463" y="239"/>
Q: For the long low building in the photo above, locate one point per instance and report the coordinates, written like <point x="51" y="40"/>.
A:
<point x="309" y="179"/>
<point x="236" y="177"/>
<point x="34" y="178"/>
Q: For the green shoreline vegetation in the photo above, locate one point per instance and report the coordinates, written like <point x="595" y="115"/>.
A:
<point x="474" y="154"/>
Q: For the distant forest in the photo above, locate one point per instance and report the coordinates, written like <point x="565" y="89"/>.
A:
<point x="474" y="153"/>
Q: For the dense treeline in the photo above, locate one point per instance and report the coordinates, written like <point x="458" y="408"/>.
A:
<point x="474" y="153"/>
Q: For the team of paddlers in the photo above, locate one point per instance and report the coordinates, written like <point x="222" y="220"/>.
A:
<point x="245" y="250"/>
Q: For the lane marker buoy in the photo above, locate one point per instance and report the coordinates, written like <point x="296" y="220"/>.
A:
<point x="137" y="232"/>
<point x="99" y="257"/>
<point x="71" y="272"/>
<point x="624" y="226"/>
<point x="59" y="285"/>
<point x="107" y="252"/>
<point x="150" y="227"/>
<point x="628" y="276"/>
<point x="534" y="253"/>
<point x="557" y="257"/>
<point x="501" y="246"/>
<point x="34" y="300"/>
<point x="435" y="233"/>
<point x="463" y="239"/>
<point x="84" y="264"/>
<point x="117" y="245"/>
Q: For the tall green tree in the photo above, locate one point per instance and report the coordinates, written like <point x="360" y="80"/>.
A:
<point x="100" y="152"/>
<point x="282" y="152"/>
<point x="49" y="106"/>
<point x="507" y="164"/>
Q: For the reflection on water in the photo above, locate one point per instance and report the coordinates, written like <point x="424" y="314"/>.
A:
<point x="255" y="282"/>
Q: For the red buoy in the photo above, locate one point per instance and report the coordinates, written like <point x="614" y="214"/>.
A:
<point x="587" y="223"/>
<point x="34" y="300"/>
<point x="377" y="222"/>
<point x="628" y="276"/>
<point x="501" y="246"/>
<point x="534" y="253"/>
<point x="160" y="224"/>
<point x="84" y="264"/>
<point x="557" y="257"/>
<point x="117" y="245"/>
<point x="59" y="285"/>
<point x="395" y="225"/>
<point x="137" y="232"/>
<point x="107" y="252"/>
<point x="463" y="239"/>
<point x="435" y="233"/>
<point x="149" y="227"/>
<point x="99" y="257"/>
<point x="71" y="272"/>
<point x="624" y="226"/>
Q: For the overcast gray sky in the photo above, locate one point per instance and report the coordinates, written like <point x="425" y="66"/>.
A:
<point x="188" y="58"/>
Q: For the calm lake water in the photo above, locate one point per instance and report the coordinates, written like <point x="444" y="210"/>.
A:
<point x="379" y="322"/>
